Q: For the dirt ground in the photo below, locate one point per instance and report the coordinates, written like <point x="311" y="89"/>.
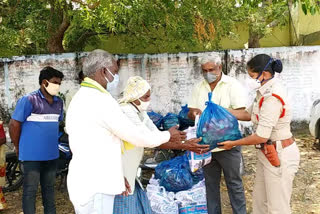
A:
<point x="305" y="197"/>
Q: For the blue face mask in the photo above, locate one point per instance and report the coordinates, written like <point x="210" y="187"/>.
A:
<point x="114" y="83"/>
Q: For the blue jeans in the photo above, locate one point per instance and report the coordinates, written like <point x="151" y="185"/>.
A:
<point x="229" y="162"/>
<point x="35" y="172"/>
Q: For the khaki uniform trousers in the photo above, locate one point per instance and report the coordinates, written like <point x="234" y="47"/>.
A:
<point x="273" y="185"/>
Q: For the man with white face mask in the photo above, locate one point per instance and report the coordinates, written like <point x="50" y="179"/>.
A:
<point x="228" y="93"/>
<point x="134" y="104"/>
<point x="34" y="129"/>
<point x="96" y="127"/>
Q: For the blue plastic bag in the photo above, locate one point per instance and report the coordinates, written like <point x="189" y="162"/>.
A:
<point x="197" y="176"/>
<point x="170" y="120"/>
<point x="216" y="125"/>
<point x="164" y="165"/>
<point x="176" y="179"/>
<point x="174" y="174"/>
<point x="184" y="121"/>
<point x="156" y="118"/>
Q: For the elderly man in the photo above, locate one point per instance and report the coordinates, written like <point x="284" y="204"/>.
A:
<point x="96" y="125"/>
<point x="228" y="93"/>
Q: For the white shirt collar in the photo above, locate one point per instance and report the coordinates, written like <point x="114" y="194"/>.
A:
<point x="224" y="78"/>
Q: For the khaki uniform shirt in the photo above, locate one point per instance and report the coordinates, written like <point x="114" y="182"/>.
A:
<point x="270" y="125"/>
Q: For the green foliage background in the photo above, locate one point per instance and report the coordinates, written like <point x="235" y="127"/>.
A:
<point x="28" y="26"/>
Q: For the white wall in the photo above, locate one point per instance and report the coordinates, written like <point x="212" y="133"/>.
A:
<point x="171" y="76"/>
<point x="300" y="75"/>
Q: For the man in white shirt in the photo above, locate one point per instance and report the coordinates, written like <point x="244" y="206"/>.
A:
<point x="228" y="93"/>
<point x="96" y="126"/>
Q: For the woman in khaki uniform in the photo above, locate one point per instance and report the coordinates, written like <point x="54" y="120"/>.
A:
<point x="278" y="154"/>
<point x="3" y="204"/>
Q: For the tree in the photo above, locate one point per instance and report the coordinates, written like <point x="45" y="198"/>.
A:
<point x="178" y="23"/>
<point x="206" y="22"/>
<point x="309" y="6"/>
<point x="40" y="26"/>
<point x="55" y="26"/>
<point x="263" y="16"/>
<point x="23" y="26"/>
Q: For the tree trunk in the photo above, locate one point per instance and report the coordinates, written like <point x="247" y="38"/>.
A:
<point x="54" y="44"/>
<point x="254" y="39"/>
<point x="58" y="24"/>
<point x="79" y="44"/>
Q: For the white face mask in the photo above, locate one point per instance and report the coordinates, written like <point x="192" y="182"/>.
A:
<point x="114" y="84"/>
<point x="52" y="88"/>
<point x="210" y="77"/>
<point x="254" y="84"/>
<point x="143" y="105"/>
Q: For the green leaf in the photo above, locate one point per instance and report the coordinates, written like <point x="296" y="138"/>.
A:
<point x="164" y="24"/>
<point x="313" y="10"/>
<point x="304" y="8"/>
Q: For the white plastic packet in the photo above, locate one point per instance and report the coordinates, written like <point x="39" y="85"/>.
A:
<point x="194" y="209"/>
<point x="161" y="201"/>
<point x="197" y="194"/>
<point x="193" y="201"/>
<point x="196" y="161"/>
<point x="192" y="130"/>
<point x="160" y="204"/>
<point x="154" y="181"/>
<point x="200" y="184"/>
<point x="187" y="201"/>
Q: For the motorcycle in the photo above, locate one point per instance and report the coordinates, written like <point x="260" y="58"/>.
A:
<point x="14" y="171"/>
<point x="147" y="167"/>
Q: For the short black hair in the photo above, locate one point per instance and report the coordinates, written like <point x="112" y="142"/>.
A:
<point x="48" y="72"/>
<point x="263" y="62"/>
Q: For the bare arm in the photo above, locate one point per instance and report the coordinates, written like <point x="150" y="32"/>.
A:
<point x="15" y="131"/>
<point x="128" y="188"/>
<point x="128" y="127"/>
<point x="250" y="140"/>
<point x="240" y="114"/>
<point x="171" y="145"/>
<point x="191" y="145"/>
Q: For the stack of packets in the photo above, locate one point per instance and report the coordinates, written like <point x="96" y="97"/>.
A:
<point x="196" y="161"/>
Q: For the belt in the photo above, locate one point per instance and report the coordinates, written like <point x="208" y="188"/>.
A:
<point x="285" y="143"/>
